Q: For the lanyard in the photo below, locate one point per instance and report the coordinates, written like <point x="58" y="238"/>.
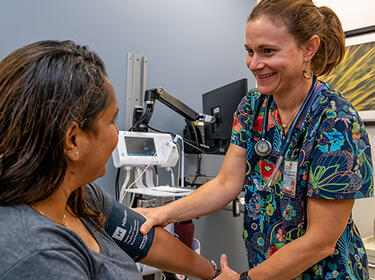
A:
<point x="286" y="143"/>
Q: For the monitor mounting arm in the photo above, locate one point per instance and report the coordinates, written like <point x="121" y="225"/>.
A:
<point x="141" y="122"/>
<point x="172" y="102"/>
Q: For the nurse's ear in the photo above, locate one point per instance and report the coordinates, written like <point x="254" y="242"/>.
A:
<point x="72" y="142"/>
<point x="311" y="47"/>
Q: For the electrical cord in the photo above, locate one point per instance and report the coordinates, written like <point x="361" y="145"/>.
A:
<point x="117" y="185"/>
<point x="127" y="178"/>
<point x="199" y="163"/>
<point x="157" y="130"/>
<point x="181" y="162"/>
<point x="220" y="147"/>
<point x="156" y="174"/>
<point x="179" y="165"/>
<point x="181" y="158"/>
<point x="187" y="141"/>
<point x="191" y="143"/>
<point x="139" y="176"/>
<point x="198" y="172"/>
<point x="131" y="200"/>
<point x="141" y="119"/>
<point x="195" y="135"/>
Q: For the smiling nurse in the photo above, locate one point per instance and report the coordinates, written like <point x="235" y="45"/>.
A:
<point x="298" y="195"/>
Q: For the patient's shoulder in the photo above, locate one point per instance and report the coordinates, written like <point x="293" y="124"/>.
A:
<point x="25" y="233"/>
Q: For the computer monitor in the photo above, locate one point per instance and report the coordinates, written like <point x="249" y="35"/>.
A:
<point x="222" y="103"/>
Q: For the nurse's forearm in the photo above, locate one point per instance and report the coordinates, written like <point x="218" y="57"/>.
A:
<point x="215" y="194"/>
<point x="291" y="260"/>
<point x="209" y="198"/>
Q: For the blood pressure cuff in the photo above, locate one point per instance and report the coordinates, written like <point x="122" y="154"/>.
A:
<point x="123" y="226"/>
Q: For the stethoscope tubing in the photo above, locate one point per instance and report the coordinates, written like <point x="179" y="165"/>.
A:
<point x="289" y="134"/>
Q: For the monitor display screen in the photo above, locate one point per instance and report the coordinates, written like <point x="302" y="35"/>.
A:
<point x="140" y="146"/>
<point x="222" y="103"/>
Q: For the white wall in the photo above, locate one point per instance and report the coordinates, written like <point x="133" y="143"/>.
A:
<point x="353" y="15"/>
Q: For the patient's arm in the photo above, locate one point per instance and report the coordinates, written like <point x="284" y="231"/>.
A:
<point x="170" y="254"/>
<point x="158" y="248"/>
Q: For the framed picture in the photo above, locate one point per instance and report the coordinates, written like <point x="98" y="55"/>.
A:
<point x="355" y="75"/>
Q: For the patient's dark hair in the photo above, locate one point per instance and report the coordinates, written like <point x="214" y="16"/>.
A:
<point x="44" y="87"/>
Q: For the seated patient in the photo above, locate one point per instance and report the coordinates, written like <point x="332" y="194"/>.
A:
<point x="57" y="132"/>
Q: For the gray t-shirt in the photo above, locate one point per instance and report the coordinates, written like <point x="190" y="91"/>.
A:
<point x="34" y="247"/>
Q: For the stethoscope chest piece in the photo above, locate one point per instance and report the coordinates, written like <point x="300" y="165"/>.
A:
<point x="263" y="147"/>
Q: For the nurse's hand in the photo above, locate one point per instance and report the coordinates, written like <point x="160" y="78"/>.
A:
<point x="226" y="272"/>
<point x="154" y="217"/>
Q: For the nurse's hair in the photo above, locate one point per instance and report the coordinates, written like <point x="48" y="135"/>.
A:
<point x="44" y="88"/>
<point x="303" y="20"/>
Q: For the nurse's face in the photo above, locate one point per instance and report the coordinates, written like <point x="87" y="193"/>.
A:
<point x="273" y="56"/>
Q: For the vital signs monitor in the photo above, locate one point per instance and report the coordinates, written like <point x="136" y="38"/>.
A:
<point x="143" y="148"/>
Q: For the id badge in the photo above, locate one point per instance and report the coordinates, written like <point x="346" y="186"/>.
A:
<point x="290" y="177"/>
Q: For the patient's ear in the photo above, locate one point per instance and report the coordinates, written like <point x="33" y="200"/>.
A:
<point x="71" y="143"/>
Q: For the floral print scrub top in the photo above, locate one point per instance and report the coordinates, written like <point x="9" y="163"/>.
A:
<point x="332" y="151"/>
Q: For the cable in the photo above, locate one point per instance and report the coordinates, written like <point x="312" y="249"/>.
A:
<point x="132" y="200"/>
<point x="141" y="119"/>
<point x="156" y="174"/>
<point x="182" y="159"/>
<point x="126" y="181"/>
<point x="195" y="135"/>
<point x="172" y="176"/>
<point x="220" y="147"/>
<point x="187" y="141"/>
<point x="157" y="130"/>
<point x="117" y="185"/>
<point x="198" y="172"/>
<point x="199" y="163"/>
<point x="140" y="175"/>
<point x="179" y="164"/>
<point x="193" y="145"/>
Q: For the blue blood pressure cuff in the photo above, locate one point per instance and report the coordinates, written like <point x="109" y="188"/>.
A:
<point x="123" y="226"/>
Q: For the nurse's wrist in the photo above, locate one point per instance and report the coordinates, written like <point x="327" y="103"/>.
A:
<point x="168" y="214"/>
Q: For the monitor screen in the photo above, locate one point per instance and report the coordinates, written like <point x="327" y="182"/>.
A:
<point x="140" y="146"/>
<point x="222" y="103"/>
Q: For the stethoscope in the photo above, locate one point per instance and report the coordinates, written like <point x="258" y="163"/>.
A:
<point x="263" y="147"/>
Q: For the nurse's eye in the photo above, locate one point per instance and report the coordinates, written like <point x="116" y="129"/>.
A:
<point x="268" y="51"/>
<point x="250" y="52"/>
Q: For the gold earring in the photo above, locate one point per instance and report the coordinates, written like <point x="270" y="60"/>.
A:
<point x="307" y="74"/>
